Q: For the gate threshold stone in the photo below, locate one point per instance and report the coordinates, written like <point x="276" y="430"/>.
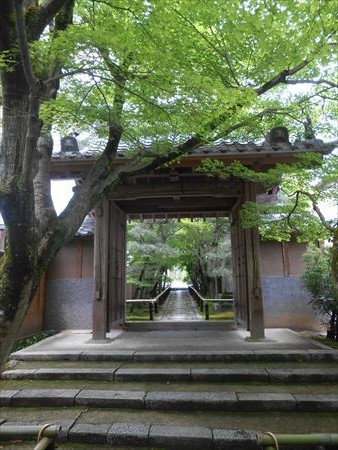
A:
<point x="171" y="400"/>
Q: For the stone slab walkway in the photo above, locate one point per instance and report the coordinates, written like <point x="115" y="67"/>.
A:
<point x="179" y="307"/>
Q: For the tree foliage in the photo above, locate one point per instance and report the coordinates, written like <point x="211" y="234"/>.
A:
<point x="150" y="256"/>
<point x="201" y="248"/>
<point x="171" y="73"/>
<point x="318" y="280"/>
<point x="306" y="188"/>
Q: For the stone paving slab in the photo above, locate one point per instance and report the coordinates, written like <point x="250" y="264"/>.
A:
<point x="224" y="356"/>
<point x="129" y="434"/>
<point x="18" y="374"/>
<point x="259" y="401"/>
<point x="47" y="355"/>
<point x="45" y="397"/>
<point x="196" y="438"/>
<point x="191" y="400"/>
<point x="144" y="374"/>
<point x="238" y="375"/>
<point x="6" y="396"/>
<point x="235" y="439"/>
<point x="111" y="399"/>
<point x="102" y="374"/>
<point x="106" y="355"/>
<point x="307" y="375"/>
<point x="296" y="355"/>
<point x="317" y="402"/>
<point x="89" y="433"/>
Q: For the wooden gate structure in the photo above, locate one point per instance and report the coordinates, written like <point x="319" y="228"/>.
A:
<point x="178" y="191"/>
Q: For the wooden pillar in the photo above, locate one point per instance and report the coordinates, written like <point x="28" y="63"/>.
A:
<point x="101" y="245"/>
<point x="235" y="272"/>
<point x="238" y="249"/>
<point x="253" y="273"/>
<point x="117" y="266"/>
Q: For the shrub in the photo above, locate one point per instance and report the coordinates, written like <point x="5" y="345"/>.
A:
<point x="318" y="281"/>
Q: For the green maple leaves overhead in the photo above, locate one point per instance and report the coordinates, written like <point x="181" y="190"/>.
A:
<point x="185" y="68"/>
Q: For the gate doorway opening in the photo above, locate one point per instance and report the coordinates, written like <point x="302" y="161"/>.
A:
<point x="179" y="253"/>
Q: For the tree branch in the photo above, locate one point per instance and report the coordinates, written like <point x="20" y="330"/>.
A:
<point x="315" y="207"/>
<point x="239" y="125"/>
<point x="281" y="77"/>
<point x="45" y="14"/>
<point x="23" y="45"/>
<point x="301" y="81"/>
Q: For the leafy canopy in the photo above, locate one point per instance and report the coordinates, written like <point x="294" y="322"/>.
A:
<point x="308" y="190"/>
<point x="186" y="68"/>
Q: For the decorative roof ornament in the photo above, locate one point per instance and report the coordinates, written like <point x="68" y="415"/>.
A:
<point x="69" y="144"/>
<point x="277" y="135"/>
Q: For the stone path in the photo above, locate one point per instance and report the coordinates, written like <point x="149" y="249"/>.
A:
<point x="179" y="307"/>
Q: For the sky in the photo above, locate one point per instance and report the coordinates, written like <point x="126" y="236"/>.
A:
<point x="61" y="193"/>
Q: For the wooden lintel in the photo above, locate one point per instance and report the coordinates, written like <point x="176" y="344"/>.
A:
<point x="169" y="205"/>
<point x="159" y="189"/>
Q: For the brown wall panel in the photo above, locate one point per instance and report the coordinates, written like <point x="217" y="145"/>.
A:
<point x="87" y="257"/>
<point x="34" y="320"/>
<point x="297" y="251"/>
<point x="271" y="258"/>
<point x="282" y="259"/>
<point x="73" y="261"/>
<point x="64" y="265"/>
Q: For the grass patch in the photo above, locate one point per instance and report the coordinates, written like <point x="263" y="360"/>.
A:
<point x="221" y="315"/>
<point x="216" y="312"/>
<point x="30" y="340"/>
<point x="137" y="312"/>
<point x="326" y="341"/>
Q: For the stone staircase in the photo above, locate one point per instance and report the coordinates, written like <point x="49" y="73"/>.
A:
<point x="171" y="399"/>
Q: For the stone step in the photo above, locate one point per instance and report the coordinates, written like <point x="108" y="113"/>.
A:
<point x="148" y="436"/>
<point x="171" y="400"/>
<point x="179" y="356"/>
<point x="67" y="418"/>
<point x="188" y="325"/>
<point x="159" y="436"/>
<point x="263" y="375"/>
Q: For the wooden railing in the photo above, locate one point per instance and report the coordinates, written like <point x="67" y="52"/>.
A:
<point x="203" y="303"/>
<point x="152" y="302"/>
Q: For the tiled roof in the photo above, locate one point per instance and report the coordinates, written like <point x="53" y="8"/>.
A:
<point x="251" y="147"/>
<point x="218" y="147"/>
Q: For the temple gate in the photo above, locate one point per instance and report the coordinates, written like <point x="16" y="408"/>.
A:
<point x="178" y="191"/>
